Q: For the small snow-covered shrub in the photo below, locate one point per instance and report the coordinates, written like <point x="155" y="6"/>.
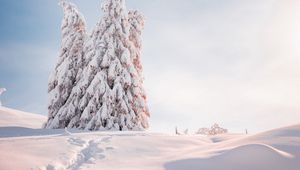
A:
<point x="203" y="131"/>
<point x="1" y="91"/>
<point x="214" y="130"/>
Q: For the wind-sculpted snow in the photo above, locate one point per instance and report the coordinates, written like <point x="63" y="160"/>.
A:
<point x="14" y="118"/>
<point x="246" y="157"/>
<point x="50" y="149"/>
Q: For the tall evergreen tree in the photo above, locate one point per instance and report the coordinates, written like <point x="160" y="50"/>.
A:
<point x="108" y="93"/>
<point x="63" y="78"/>
<point x="139" y="103"/>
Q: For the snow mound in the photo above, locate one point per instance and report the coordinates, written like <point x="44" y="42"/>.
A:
<point x="15" y="118"/>
<point x="259" y="152"/>
<point x="291" y="131"/>
<point x="246" y="157"/>
<point x="48" y="149"/>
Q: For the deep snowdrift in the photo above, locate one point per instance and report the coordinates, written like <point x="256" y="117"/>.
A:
<point x="59" y="149"/>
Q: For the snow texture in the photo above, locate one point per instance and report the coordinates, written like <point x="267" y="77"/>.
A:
<point x="65" y="149"/>
<point x="2" y="90"/>
<point x="102" y="86"/>
<point x="15" y="118"/>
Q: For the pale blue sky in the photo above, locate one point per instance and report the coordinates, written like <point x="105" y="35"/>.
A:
<point x="227" y="61"/>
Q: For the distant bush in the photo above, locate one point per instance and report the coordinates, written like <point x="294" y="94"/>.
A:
<point x="214" y="130"/>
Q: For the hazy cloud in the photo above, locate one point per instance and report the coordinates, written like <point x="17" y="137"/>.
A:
<point x="232" y="62"/>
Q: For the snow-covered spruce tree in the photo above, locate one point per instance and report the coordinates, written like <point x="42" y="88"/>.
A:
<point x="108" y="93"/>
<point x="62" y="80"/>
<point x="136" y="21"/>
<point x="111" y="101"/>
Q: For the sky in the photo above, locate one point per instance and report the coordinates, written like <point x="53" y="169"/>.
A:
<point x="236" y="63"/>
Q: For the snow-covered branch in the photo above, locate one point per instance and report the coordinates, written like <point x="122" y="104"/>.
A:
<point x="2" y="90"/>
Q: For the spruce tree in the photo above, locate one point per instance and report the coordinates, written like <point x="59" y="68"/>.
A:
<point x="108" y="92"/>
<point x="114" y="106"/>
<point x="63" y="78"/>
<point x="139" y="102"/>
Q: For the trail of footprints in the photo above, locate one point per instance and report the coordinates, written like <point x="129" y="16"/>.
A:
<point x="89" y="152"/>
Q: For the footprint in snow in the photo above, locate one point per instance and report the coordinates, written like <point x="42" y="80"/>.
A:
<point x="109" y="148"/>
<point x="88" y="155"/>
<point x="77" y="142"/>
<point x="106" y="139"/>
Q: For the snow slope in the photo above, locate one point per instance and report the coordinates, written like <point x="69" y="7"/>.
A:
<point x="11" y="117"/>
<point x="278" y="149"/>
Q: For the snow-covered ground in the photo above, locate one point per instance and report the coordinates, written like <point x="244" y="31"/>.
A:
<point x="25" y="148"/>
<point x="11" y="117"/>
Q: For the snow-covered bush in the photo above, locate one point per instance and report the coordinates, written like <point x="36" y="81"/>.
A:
<point x="2" y="90"/>
<point x="214" y="130"/>
<point x="106" y="91"/>
<point x="203" y="131"/>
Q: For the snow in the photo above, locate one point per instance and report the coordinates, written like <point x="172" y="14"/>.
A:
<point x="26" y="148"/>
<point x="11" y="117"/>
<point x="98" y="82"/>
<point x="2" y="90"/>
<point x="63" y="78"/>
